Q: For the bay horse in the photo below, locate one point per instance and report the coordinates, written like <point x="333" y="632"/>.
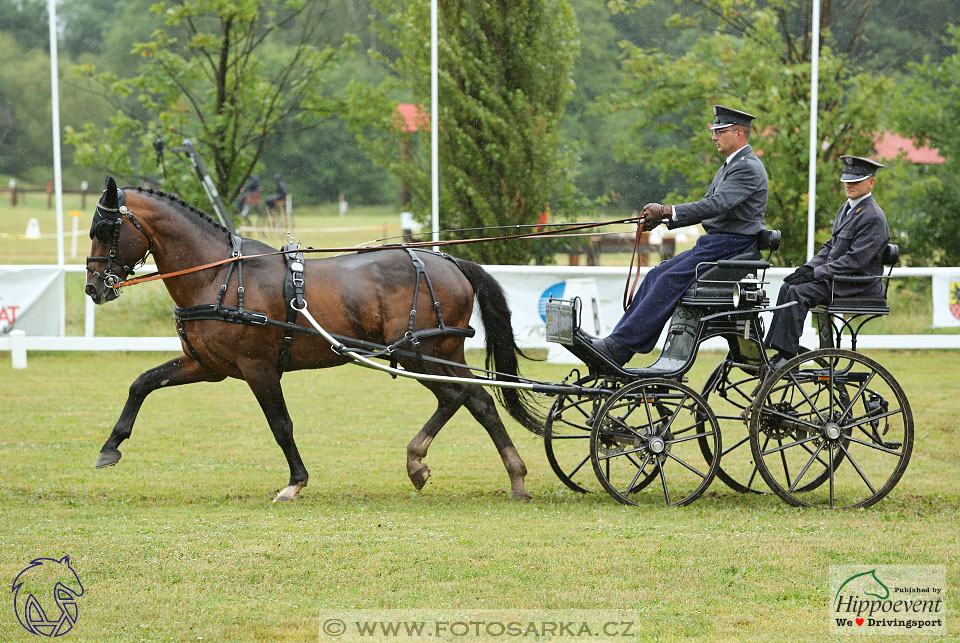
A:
<point x="367" y="296"/>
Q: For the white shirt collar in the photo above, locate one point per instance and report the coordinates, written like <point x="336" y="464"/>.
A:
<point x="856" y="202"/>
<point x="730" y="158"/>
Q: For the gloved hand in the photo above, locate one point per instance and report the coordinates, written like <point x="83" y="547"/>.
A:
<point x="653" y="215"/>
<point x="801" y="275"/>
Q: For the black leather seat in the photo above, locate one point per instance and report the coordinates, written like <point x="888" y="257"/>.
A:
<point x="707" y="292"/>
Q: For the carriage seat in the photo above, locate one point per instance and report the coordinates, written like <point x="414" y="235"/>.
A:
<point x="875" y="305"/>
<point x="714" y="285"/>
<point x="852" y="313"/>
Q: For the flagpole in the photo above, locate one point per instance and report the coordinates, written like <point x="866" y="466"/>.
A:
<point x="55" y="112"/>
<point x="812" y="169"/>
<point x="434" y="127"/>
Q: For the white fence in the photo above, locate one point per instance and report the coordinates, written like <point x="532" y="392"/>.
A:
<point x="526" y="287"/>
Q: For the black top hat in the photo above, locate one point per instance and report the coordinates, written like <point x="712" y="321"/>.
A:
<point x="858" y="168"/>
<point x="725" y="117"/>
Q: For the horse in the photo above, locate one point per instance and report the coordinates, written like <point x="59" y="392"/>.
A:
<point x="364" y="296"/>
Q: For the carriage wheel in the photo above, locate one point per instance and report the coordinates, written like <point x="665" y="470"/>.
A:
<point x="733" y="390"/>
<point x="566" y="437"/>
<point x="824" y="405"/>
<point x="648" y="430"/>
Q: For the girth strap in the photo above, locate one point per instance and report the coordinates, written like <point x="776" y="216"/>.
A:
<point x="293" y="284"/>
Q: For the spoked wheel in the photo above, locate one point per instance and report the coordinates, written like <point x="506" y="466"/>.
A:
<point x="730" y="392"/>
<point x="648" y="431"/>
<point x="566" y="437"/>
<point x="827" y="408"/>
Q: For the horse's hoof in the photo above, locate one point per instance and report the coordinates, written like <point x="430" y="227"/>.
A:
<point x="419" y="476"/>
<point x="290" y="492"/>
<point x="108" y="459"/>
<point x="520" y="495"/>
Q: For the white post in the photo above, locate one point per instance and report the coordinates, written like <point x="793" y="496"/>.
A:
<point x="18" y="348"/>
<point x="88" y="319"/>
<point x="76" y="231"/>
<point x="812" y="170"/>
<point x="434" y="127"/>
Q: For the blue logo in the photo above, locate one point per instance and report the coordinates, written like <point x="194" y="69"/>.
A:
<point x="52" y="583"/>
<point x="553" y="292"/>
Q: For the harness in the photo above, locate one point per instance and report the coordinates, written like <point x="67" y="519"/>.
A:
<point x="293" y="290"/>
<point x="106" y="228"/>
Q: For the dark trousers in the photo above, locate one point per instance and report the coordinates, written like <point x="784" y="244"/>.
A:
<point x="787" y="324"/>
<point x="663" y="287"/>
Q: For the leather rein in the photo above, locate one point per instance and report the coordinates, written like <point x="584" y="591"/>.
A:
<point x="560" y="233"/>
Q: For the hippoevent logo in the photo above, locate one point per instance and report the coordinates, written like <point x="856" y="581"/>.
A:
<point x="887" y="599"/>
<point x="553" y="292"/>
<point x="45" y="596"/>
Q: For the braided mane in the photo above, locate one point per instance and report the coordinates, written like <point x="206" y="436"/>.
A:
<point x="185" y="207"/>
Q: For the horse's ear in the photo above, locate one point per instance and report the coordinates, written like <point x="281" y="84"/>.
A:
<point x="65" y="559"/>
<point x="110" y="198"/>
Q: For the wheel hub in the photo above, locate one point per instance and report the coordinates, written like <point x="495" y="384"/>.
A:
<point x="656" y="445"/>
<point x="831" y="431"/>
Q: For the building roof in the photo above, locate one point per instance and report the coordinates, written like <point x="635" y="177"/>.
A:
<point x="889" y="146"/>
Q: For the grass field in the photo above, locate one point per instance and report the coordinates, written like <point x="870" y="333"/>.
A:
<point x="181" y="542"/>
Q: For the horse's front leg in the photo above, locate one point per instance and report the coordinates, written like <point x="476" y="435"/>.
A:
<point x="180" y="370"/>
<point x="263" y="380"/>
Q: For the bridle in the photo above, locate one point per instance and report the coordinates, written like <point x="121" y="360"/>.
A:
<point x="106" y="227"/>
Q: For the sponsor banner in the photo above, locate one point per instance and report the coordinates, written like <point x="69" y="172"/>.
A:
<point x="946" y="299"/>
<point x="31" y="300"/>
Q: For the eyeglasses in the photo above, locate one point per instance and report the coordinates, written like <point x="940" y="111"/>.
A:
<point x="719" y="132"/>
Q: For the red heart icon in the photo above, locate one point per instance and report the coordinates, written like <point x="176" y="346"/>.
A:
<point x="859" y="621"/>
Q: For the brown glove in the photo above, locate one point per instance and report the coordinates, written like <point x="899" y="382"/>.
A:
<point x="653" y="215"/>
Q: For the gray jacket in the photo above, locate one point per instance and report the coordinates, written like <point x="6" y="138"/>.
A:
<point x="855" y="247"/>
<point x="736" y="199"/>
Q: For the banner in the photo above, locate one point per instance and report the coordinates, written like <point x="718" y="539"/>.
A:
<point x="31" y="300"/>
<point x="946" y="299"/>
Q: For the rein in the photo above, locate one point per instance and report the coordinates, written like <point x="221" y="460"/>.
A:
<point x="561" y="233"/>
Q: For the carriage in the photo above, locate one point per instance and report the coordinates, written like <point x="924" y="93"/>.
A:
<point x="830" y="428"/>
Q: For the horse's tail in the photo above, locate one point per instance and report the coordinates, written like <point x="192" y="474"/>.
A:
<point x="502" y="349"/>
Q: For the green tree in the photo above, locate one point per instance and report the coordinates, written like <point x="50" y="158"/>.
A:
<point x="220" y="73"/>
<point x="752" y="56"/>
<point x="504" y="80"/>
<point x="927" y="110"/>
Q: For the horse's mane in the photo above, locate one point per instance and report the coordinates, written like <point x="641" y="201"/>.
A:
<point x="186" y="208"/>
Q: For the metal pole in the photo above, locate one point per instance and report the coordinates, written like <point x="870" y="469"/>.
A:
<point x="434" y="127"/>
<point x="55" y="112"/>
<point x="812" y="176"/>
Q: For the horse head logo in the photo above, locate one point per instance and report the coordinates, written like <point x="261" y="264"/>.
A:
<point x="52" y="583"/>
<point x="867" y="584"/>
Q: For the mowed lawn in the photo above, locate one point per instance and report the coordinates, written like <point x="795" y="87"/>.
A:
<point x="180" y="540"/>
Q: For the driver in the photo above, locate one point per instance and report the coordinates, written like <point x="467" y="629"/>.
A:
<point x="732" y="214"/>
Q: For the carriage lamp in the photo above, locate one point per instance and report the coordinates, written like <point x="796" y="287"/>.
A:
<point x="747" y="292"/>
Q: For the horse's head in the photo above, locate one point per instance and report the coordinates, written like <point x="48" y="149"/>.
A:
<point x="120" y="244"/>
<point x="44" y="583"/>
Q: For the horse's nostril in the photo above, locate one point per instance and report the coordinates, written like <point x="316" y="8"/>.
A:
<point x="90" y="290"/>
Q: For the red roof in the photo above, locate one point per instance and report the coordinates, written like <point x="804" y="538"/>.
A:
<point x="889" y="146"/>
<point x="413" y="117"/>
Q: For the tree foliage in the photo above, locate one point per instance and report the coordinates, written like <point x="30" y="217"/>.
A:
<point x="504" y="80"/>
<point x="929" y="201"/>
<point x="217" y="73"/>
<point x="753" y="59"/>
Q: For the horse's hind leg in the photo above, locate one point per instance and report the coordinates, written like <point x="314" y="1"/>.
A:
<point x="483" y="409"/>
<point x="180" y="370"/>
<point x="265" y="384"/>
<point x="449" y="400"/>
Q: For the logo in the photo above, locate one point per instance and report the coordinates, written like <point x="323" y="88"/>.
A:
<point x="887" y="599"/>
<point x="553" y="292"/>
<point x="955" y="299"/>
<point x="45" y="596"/>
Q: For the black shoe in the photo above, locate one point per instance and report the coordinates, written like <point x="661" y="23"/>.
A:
<point x="612" y="350"/>
<point x="778" y="362"/>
